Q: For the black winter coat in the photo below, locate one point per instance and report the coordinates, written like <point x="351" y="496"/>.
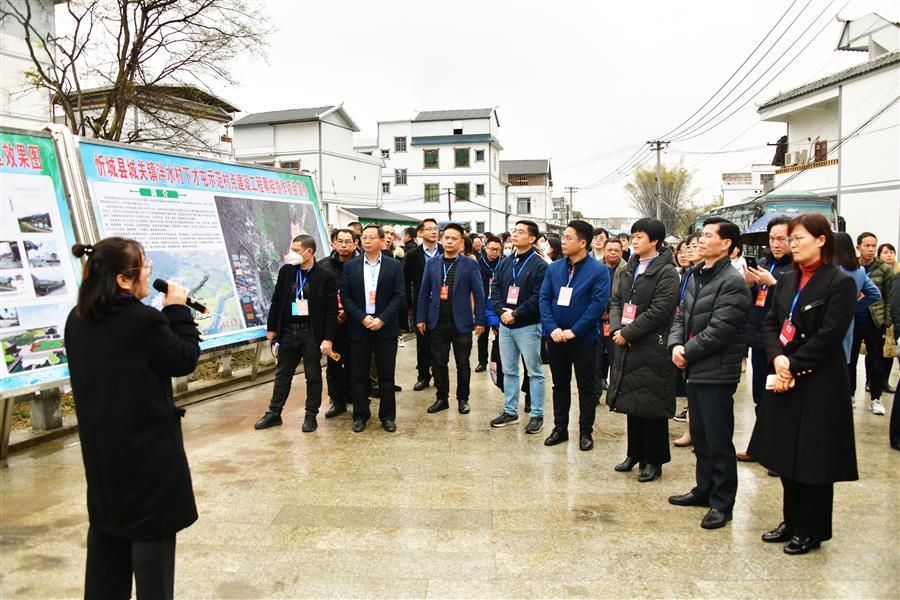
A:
<point x="642" y="378"/>
<point x="755" y="336"/>
<point x="806" y="434"/>
<point x="711" y="324"/>
<point x="138" y="480"/>
<point x="320" y="289"/>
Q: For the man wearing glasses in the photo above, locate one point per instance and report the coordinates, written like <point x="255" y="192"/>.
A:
<point x="762" y="280"/>
<point x="413" y="271"/>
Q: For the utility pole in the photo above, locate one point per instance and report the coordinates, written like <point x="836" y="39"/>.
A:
<point x="658" y="146"/>
<point x="569" y="207"/>
<point x="449" y="205"/>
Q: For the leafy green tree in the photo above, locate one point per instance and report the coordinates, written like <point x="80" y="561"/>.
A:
<point x="676" y="194"/>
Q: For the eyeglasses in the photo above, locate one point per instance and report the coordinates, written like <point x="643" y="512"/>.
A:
<point x="796" y="238"/>
<point x="429" y="229"/>
<point x="148" y="266"/>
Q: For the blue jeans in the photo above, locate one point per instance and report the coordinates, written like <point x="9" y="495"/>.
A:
<point x="525" y="342"/>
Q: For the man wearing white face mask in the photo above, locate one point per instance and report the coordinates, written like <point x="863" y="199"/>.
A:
<point x="302" y="319"/>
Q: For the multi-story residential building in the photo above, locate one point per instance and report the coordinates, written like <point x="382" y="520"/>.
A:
<point x="842" y="131"/>
<point x="530" y="190"/>
<point x="319" y="140"/>
<point x="21" y="104"/>
<point x="445" y="164"/>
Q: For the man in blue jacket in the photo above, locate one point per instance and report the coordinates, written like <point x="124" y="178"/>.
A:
<point x="449" y="287"/>
<point x="574" y="295"/>
<point x="515" y="293"/>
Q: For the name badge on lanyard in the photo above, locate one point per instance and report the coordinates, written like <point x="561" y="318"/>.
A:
<point x="512" y="294"/>
<point x="788" y="329"/>
<point x="764" y="291"/>
<point x="629" y="313"/>
<point x="565" y="292"/>
<point x="374" y="279"/>
<point x="300" y="308"/>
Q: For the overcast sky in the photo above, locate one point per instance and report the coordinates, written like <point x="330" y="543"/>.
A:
<point x="573" y="81"/>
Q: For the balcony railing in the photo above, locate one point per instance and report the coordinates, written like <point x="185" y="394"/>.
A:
<point x="812" y="165"/>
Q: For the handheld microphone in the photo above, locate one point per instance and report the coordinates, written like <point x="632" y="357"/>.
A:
<point x="161" y="285"/>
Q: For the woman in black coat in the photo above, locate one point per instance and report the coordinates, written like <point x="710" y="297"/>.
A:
<point x="642" y="380"/>
<point x="804" y="430"/>
<point x="122" y="355"/>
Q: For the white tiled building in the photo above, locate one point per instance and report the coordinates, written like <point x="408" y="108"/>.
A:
<point x="530" y="190"/>
<point x="319" y="140"/>
<point x="862" y="171"/>
<point x="21" y="105"/>
<point x="446" y="165"/>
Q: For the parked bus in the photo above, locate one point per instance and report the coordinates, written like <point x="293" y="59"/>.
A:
<point x="752" y="215"/>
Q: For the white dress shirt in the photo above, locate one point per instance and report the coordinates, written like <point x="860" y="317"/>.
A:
<point x="370" y="278"/>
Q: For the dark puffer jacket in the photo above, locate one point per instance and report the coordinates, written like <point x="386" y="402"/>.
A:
<point x="711" y="324"/>
<point x="882" y="276"/>
<point x="642" y="379"/>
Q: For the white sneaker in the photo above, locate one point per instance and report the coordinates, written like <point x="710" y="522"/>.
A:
<point x="877" y="407"/>
<point x="401" y="343"/>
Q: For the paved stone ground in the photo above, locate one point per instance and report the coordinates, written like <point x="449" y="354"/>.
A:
<point x="447" y="507"/>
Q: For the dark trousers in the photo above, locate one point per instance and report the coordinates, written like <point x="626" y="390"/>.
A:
<point x="760" y="367"/>
<point x="385" y="351"/>
<point x="580" y="354"/>
<point x="483" y="345"/>
<point x="337" y="372"/>
<point x="807" y="509"/>
<point x="712" y="426"/>
<point x="648" y="440"/>
<point x="442" y="338"/>
<point x="874" y="337"/>
<point x="423" y="355"/>
<point x="895" y="418"/>
<point x="112" y="561"/>
<point x="605" y="349"/>
<point x="297" y="344"/>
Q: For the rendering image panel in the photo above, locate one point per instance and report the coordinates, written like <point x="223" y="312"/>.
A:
<point x="49" y="282"/>
<point x="10" y="256"/>
<point x="42" y="253"/>
<point x="33" y="349"/>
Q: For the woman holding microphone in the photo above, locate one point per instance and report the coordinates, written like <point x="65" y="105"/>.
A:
<point x="804" y="430"/>
<point x="122" y="355"/>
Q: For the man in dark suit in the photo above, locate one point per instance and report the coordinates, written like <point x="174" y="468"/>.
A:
<point x="302" y="319"/>
<point x="413" y="270"/>
<point x="372" y="295"/>
<point x="449" y="287"/>
<point x="337" y="373"/>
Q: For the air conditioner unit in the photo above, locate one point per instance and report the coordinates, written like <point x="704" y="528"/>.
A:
<point x="790" y="159"/>
<point x="803" y="155"/>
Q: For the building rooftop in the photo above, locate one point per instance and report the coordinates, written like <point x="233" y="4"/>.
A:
<point x="525" y="167"/>
<point x="454" y="115"/>
<point x="882" y="62"/>
<point x="186" y="98"/>
<point x="293" y="115"/>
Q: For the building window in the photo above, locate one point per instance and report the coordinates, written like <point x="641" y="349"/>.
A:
<point x="479" y="226"/>
<point x="457" y="131"/>
<point x="462" y="192"/>
<point x="518" y="180"/>
<point x="400" y="144"/>
<point x="479" y="189"/>
<point x="385" y="187"/>
<point x="290" y="164"/>
<point x="399" y="176"/>
<point x="461" y="157"/>
<point x="479" y="156"/>
<point x="768" y="181"/>
<point x="821" y="150"/>
<point x="432" y="192"/>
<point x="385" y="153"/>
<point x="432" y="159"/>
<point x="523" y="206"/>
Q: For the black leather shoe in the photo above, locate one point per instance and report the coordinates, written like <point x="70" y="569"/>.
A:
<point x="715" y="518"/>
<point x="389" y="426"/>
<point x="335" y="410"/>
<point x="688" y="499"/>
<point x="780" y="534"/>
<point x="626" y="465"/>
<point x="309" y="424"/>
<point x="480" y="368"/>
<point x="358" y="425"/>
<point x="801" y="545"/>
<point x="463" y="407"/>
<point x="557" y="436"/>
<point x="269" y="419"/>
<point x="421" y="385"/>
<point x="585" y="442"/>
<point x="397" y="388"/>
<point x="650" y="472"/>
<point x="438" y="406"/>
